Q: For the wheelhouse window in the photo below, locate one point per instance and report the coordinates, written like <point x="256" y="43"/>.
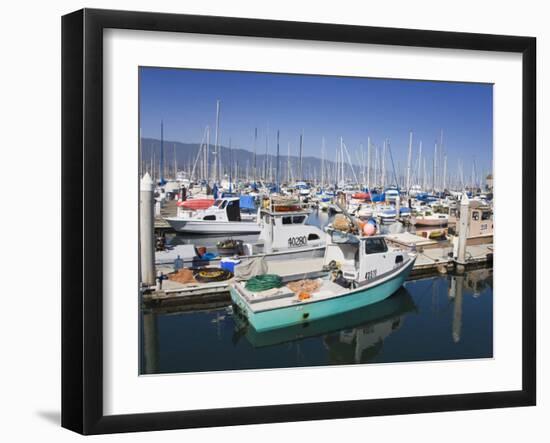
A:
<point x="287" y="220"/>
<point x="475" y="215"/>
<point x="209" y="217"/>
<point x="375" y="245"/>
<point x="485" y="215"/>
<point x="298" y="219"/>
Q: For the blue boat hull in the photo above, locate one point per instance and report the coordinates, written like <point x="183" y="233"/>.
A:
<point x="311" y="311"/>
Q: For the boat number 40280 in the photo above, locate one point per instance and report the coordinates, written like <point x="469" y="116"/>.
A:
<point x="297" y="241"/>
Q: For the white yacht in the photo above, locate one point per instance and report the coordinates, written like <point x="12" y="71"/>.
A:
<point x="223" y="217"/>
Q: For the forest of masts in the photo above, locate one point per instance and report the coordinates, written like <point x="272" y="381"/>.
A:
<point x="370" y="165"/>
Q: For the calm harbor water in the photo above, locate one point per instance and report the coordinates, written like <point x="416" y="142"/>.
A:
<point x="437" y="318"/>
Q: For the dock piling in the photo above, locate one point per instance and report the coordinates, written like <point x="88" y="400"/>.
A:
<point x="462" y="232"/>
<point x="146" y="233"/>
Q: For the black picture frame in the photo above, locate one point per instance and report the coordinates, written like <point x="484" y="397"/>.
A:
<point x="82" y="215"/>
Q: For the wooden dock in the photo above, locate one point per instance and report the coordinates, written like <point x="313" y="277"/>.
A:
<point x="168" y="209"/>
<point x="431" y="260"/>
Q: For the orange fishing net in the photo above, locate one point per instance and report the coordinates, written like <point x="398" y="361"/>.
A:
<point x="304" y="286"/>
<point x="183" y="276"/>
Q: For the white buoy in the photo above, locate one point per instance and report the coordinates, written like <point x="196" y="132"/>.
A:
<point x="463" y="230"/>
<point x="146" y="231"/>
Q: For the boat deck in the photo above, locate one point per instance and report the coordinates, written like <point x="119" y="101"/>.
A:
<point x="283" y="296"/>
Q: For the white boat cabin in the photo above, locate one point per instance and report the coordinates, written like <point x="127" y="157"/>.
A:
<point x="362" y="259"/>
<point x="226" y="209"/>
<point x="283" y="230"/>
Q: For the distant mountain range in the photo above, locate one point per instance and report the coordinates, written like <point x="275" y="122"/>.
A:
<point x="238" y="158"/>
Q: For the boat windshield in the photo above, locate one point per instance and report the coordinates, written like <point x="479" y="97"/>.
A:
<point x="375" y="245"/>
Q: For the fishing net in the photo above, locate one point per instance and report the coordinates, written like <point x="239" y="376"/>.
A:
<point x="182" y="276"/>
<point x="264" y="282"/>
<point x="304" y="286"/>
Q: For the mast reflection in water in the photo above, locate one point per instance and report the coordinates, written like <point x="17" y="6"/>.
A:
<point x="437" y="318"/>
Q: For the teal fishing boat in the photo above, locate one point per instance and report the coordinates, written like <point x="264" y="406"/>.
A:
<point x="375" y="320"/>
<point x="359" y="271"/>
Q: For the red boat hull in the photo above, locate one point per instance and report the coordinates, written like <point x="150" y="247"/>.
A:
<point x="197" y="203"/>
<point x="361" y="196"/>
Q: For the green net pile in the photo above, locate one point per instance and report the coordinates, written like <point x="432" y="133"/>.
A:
<point x="264" y="282"/>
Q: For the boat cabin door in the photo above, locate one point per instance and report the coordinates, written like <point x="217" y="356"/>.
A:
<point x="233" y="210"/>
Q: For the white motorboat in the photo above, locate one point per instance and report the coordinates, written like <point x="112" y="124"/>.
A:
<point x="430" y="219"/>
<point x="364" y="211"/>
<point x="224" y="217"/>
<point x="284" y="235"/>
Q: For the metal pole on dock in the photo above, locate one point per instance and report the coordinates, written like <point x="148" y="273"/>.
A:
<point x="146" y="233"/>
<point x="462" y="232"/>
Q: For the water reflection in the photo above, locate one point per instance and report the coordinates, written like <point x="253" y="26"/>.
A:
<point x="436" y="318"/>
<point x="359" y="325"/>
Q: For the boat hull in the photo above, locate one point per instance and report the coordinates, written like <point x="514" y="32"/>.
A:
<point x="213" y="227"/>
<point x="168" y="257"/>
<point x="306" y="312"/>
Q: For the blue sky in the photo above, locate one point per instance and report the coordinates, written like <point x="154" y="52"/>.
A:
<point x="353" y="108"/>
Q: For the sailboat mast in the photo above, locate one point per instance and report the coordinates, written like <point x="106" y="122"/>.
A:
<point x="254" y="162"/>
<point x="161" y="151"/>
<point x="419" y="162"/>
<point x="342" y="160"/>
<point x="435" y="168"/>
<point x="301" y="158"/>
<point x="206" y="153"/>
<point x="230" y="164"/>
<point x="217" y="163"/>
<point x="444" y="172"/>
<point x="266" y="164"/>
<point x="288" y="164"/>
<point x="175" y="163"/>
<point x="277" y="173"/>
<point x="323" y="161"/>
<point x="368" y="163"/>
<point x="383" y="163"/>
<point x="409" y="159"/>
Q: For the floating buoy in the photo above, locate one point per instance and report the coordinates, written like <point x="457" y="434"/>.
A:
<point x="369" y="228"/>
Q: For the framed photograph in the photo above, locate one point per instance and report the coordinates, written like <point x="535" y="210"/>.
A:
<point x="268" y="221"/>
